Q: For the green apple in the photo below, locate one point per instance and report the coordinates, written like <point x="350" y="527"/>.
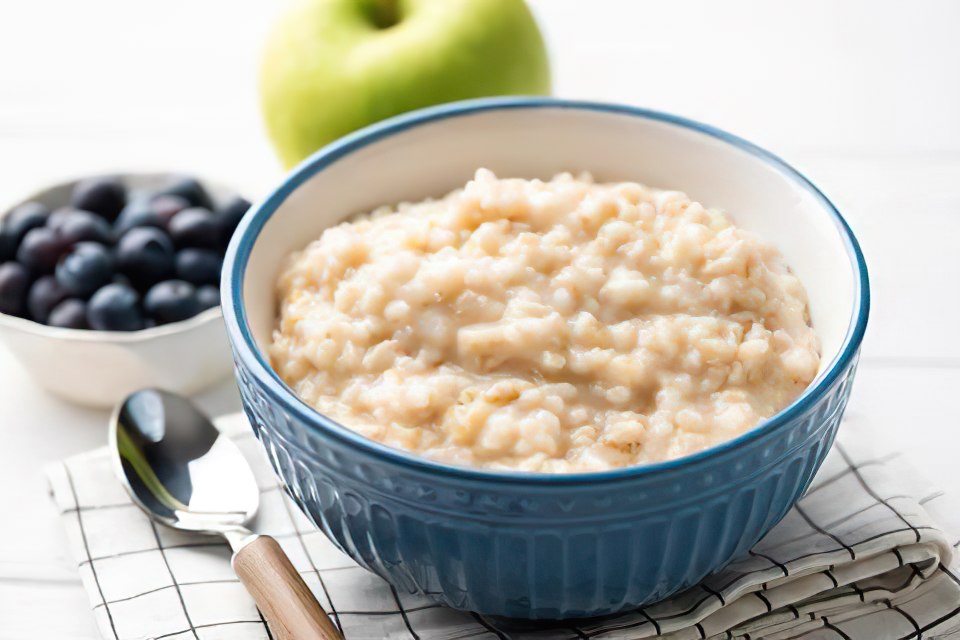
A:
<point x="333" y="66"/>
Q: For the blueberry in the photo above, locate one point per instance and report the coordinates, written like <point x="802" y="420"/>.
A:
<point x="171" y="301"/>
<point x="56" y="219"/>
<point x="228" y="217"/>
<point x="194" y="227"/>
<point x="86" y="268"/>
<point x="103" y="196"/>
<point x="145" y="255"/>
<point x="190" y="190"/>
<point x="198" y="266"/>
<point x="138" y="213"/>
<point x="14" y="282"/>
<point x="45" y="294"/>
<point x="40" y="250"/>
<point x="77" y="225"/>
<point x="69" y="314"/>
<point x="115" y="308"/>
<point x="166" y="206"/>
<point x="135" y="194"/>
<point x="19" y="222"/>
<point x="8" y="245"/>
<point x="9" y="242"/>
<point x="16" y="225"/>
<point x="208" y="296"/>
<point x="119" y="278"/>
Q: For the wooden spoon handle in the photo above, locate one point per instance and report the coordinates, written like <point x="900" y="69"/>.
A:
<point x="284" y="599"/>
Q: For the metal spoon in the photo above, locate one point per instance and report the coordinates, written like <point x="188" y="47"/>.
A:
<point x="184" y="474"/>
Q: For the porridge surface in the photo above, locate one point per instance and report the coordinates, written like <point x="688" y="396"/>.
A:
<point x="557" y="326"/>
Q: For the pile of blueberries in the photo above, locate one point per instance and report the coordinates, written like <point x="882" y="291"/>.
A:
<point x="116" y="259"/>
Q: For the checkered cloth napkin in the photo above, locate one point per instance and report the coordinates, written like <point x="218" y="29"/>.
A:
<point x="864" y="555"/>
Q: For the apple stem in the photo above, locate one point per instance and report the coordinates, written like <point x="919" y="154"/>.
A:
<point x="385" y="13"/>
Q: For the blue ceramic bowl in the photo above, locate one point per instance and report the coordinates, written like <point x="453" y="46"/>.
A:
<point x="529" y="545"/>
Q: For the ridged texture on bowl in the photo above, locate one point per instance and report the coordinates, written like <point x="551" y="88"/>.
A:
<point x="538" y="550"/>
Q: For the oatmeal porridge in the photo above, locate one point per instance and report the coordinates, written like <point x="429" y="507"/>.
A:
<point x="559" y="326"/>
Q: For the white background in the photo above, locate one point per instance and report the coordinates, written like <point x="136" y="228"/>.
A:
<point x="862" y="95"/>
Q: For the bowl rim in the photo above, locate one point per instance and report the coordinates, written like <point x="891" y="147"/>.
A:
<point x="247" y="353"/>
<point x="111" y="337"/>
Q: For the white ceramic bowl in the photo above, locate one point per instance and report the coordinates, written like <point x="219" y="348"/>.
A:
<point x="100" y="368"/>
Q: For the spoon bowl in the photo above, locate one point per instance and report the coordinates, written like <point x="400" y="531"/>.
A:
<point x="180" y="470"/>
<point x="179" y="467"/>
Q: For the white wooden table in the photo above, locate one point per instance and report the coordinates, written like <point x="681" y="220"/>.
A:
<point x="863" y="96"/>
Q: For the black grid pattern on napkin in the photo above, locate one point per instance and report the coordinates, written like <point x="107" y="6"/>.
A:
<point x="185" y="581"/>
